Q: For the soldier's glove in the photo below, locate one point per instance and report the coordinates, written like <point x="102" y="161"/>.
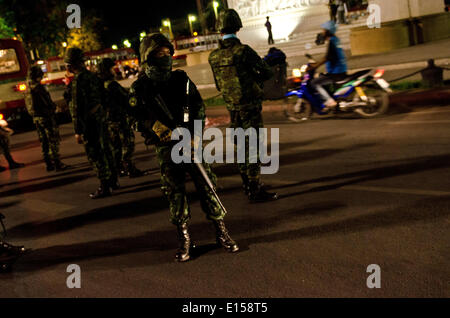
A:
<point x="163" y="132"/>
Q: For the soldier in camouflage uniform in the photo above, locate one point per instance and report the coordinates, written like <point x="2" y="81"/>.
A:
<point x="239" y="75"/>
<point x="119" y="122"/>
<point x="42" y="109"/>
<point x="89" y="120"/>
<point x="8" y="253"/>
<point x="161" y="101"/>
<point x="5" y="132"/>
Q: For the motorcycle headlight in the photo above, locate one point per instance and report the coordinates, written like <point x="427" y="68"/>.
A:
<point x="296" y="72"/>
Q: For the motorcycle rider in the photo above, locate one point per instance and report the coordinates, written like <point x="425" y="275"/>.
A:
<point x="336" y="64"/>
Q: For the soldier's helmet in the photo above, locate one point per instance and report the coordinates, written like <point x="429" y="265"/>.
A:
<point x="104" y="67"/>
<point x="229" y="22"/>
<point x="74" y="56"/>
<point x="153" y="42"/>
<point x="35" y="72"/>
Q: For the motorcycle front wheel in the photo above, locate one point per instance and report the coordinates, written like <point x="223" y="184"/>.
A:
<point x="297" y="109"/>
<point x="377" y="102"/>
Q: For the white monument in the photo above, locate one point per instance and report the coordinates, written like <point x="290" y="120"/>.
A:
<point x="288" y="17"/>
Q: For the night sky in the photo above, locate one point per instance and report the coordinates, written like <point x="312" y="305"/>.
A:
<point x="126" y="19"/>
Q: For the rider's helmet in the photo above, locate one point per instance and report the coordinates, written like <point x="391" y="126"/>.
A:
<point x="229" y="22"/>
<point x="330" y="26"/>
<point x="153" y="42"/>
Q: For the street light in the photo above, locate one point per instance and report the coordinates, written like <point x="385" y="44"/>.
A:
<point x="127" y="43"/>
<point x="192" y="19"/>
<point x="64" y="44"/>
<point x="142" y="35"/>
<point x="167" y="24"/>
<point x="114" y="47"/>
<point x="215" y="6"/>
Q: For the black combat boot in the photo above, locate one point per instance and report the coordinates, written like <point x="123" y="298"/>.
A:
<point x="258" y="194"/>
<point x="59" y="166"/>
<point x="12" y="163"/>
<point x="185" y="244"/>
<point x="245" y="184"/>
<point x="114" y="182"/>
<point x="129" y="169"/>
<point x="102" y="192"/>
<point x="135" y="172"/>
<point x="9" y="254"/>
<point x="49" y="164"/>
<point x="223" y="238"/>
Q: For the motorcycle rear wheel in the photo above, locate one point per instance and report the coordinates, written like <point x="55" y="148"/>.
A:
<point x="297" y="109"/>
<point x="377" y="105"/>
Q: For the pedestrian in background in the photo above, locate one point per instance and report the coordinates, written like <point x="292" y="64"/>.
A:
<point x="43" y="109"/>
<point x="341" y="12"/>
<point x="333" y="10"/>
<point x="269" y="30"/>
<point x="89" y="120"/>
<point x="239" y="74"/>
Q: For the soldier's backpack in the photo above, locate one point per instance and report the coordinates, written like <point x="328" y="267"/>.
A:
<point x="235" y="80"/>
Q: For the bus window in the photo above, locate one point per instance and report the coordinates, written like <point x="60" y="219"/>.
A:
<point x="9" y="63"/>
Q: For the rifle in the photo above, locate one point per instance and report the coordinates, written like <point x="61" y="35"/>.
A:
<point x="199" y="166"/>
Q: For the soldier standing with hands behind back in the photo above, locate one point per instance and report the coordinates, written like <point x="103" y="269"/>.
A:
<point x="119" y="126"/>
<point x="239" y="73"/>
<point x="42" y="109"/>
<point x="89" y="120"/>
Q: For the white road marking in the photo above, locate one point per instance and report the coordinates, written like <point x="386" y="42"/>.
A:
<point x="406" y="122"/>
<point x="431" y="111"/>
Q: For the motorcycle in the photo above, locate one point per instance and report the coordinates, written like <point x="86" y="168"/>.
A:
<point x="364" y="93"/>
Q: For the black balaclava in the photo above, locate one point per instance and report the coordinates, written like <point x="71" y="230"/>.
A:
<point x="159" y="69"/>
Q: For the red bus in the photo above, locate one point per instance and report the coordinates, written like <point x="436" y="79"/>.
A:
<point x="14" y="68"/>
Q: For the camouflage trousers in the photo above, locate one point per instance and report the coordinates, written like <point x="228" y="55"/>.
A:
<point x="245" y="117"/>
<point x="97" y="144"/>
<point x="4" y="143"/>
<point x="173" y="185"/>
<point x="122" y="139"/>
<point x="48" y="133"/>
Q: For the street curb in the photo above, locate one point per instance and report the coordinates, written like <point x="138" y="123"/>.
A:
<point x="417" y="97"/>
<point x="421" y="97"/>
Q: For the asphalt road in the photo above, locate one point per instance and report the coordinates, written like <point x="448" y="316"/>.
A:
<point x="353" y="193"/>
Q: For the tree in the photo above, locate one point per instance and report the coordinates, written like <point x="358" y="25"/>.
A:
<point x="5" y="30"/>
<point x="42" y="26"/>
<point x="87" y="37"/>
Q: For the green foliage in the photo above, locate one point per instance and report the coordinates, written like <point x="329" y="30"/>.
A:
<point x="402" y="86"/>
<point x="42" y="25"/>
<point x="5" y="30"/>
